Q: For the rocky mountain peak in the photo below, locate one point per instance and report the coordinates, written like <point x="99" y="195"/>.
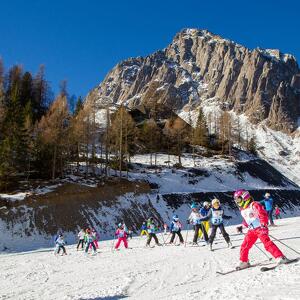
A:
<point x="197" y="65"/>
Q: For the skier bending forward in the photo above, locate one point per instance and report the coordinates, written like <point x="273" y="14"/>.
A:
<point x="256" y="219"/>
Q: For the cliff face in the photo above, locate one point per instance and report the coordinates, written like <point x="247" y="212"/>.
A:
<point x="263" y="84"/>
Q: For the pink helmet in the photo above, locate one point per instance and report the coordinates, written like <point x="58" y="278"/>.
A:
<point x="245" y="195"/>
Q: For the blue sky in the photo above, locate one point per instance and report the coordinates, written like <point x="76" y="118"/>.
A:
<point x="80" y="41"/>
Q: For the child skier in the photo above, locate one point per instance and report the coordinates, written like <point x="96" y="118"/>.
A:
<point x="277" y="212"/>
<point x="60" y="244"/>
<point x="215" y="215"/>
<point x="195" y="220"/>
<point x="203" y="212"/>
<point x="89" y="241"/>
<point x="175" y="228"/>
<point x="80" y="235"/>
<point x="96" y="238"/>
<point x="144" y="229"/>
<point x="151" y="228"/>
<point x="121" y="235"/>
<point x="255" y="218"/>
<point x="165" y="228"/>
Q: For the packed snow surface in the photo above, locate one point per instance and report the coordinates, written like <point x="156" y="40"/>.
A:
<point x="167" y="272"/>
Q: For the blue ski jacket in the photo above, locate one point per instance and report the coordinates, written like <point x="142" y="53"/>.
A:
<point x="268" y="203"/>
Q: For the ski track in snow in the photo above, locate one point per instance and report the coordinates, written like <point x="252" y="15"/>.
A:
<point x="167" y="272"/>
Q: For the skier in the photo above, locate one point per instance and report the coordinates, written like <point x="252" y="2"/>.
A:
<point x="165" y="228"/>
<point x="151" y="228"/>
<point x="80" y="235"/>
<point x="89" y="241"/>
<point x="144" y="229"/>
<point x="121" y="235"/>
<point x="216" y="215"/>
<point x="268" y="204"/>
<point x="195" y="220"/>
<point x="175" y="228"/>
<point x="130" y="232"/>
<point x="277" y="212"/>
<point x="255" y="218"/>
<point x="96" y="238"/>
<point x="203" y="212"/>
<point x="60" y="244"/>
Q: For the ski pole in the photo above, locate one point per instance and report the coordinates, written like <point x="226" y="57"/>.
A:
<point x="187" y="231"/>
<point x="167" y="238"/>
<point x="269" y="258"/>
<point x="284" y="244"/>
<point x="112" y="244"/>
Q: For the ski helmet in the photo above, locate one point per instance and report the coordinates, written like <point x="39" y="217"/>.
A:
<point x="267" y="195"/>
<point x="120" y="225"/>
<point x="194" y="205"/>
<point x="242" y="198"/>
<point x="205" y="203"/>
<point x="215" y="201"/>
<point x="175" y="218"/>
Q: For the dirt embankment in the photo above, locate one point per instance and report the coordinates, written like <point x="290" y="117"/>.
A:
<point x="68" y="206"/>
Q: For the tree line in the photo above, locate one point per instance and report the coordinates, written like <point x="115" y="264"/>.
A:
<point x="41" y="138"/>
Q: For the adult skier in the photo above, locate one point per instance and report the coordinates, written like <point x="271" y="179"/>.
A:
<point x="121" y="234"/>
<point x="216" y="215"/>
<point x="175" y="228"/>
<point x="268" y="204"/>
<point x="151" y="228"/>
<point x="255" y="218"/>
<point x="195" y="220"/>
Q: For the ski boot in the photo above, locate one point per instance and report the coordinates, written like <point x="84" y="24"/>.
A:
<point x="281" y="260"/>
<point x="243" y="265"/>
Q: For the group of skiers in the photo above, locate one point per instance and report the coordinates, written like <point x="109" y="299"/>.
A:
<point x="257" y="216"/>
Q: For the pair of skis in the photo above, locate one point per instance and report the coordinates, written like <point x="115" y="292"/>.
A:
<point x="264" y="266"/>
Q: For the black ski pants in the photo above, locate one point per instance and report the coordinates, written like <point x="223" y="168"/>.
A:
<point x="80" y="242"/>
<point x="196" y="233"/>
<point x="150" y="236"/>
<point x="214" y="231"/>
<point x="179" y="235"/>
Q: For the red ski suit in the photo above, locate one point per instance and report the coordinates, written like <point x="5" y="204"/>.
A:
<point x="256" y="219"/>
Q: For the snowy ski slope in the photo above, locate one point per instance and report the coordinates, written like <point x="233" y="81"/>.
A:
<point x="167" y="272"/>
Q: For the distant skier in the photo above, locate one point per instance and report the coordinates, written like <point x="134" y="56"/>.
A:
<point x="206" y="226"/>
<point x="255" y="218"/>
<point x="80" y="235"/>
<point x="89" y="241"/>
<point x="60" y="245"/>
<point x="152" y="228"/>
<point x="216" y="216"/>
<point x="121" y="235"/>
<point x="130" y="232"/>
<point x="195" y="220"/>
<point x="277" y="212"/>
<point x="268" y="204"/>
<point x="96" y="238"/>
<point x="175" y="228"/>
<point x="165" y="228"/>
<point x="144" y="229"/>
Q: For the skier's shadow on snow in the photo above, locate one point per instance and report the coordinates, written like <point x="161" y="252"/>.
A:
<point x="106" y="298"/>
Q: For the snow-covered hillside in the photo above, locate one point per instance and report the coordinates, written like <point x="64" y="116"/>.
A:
<point x="167" y="272"/>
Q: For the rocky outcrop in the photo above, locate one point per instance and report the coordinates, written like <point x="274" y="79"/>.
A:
<point x="197" y="65"/>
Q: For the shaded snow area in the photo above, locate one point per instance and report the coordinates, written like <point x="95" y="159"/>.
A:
<point x="166" y="272"/>
<point x="208" y="174"/>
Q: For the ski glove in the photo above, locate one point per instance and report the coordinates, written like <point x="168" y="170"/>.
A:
<point x="239" y="229"/>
